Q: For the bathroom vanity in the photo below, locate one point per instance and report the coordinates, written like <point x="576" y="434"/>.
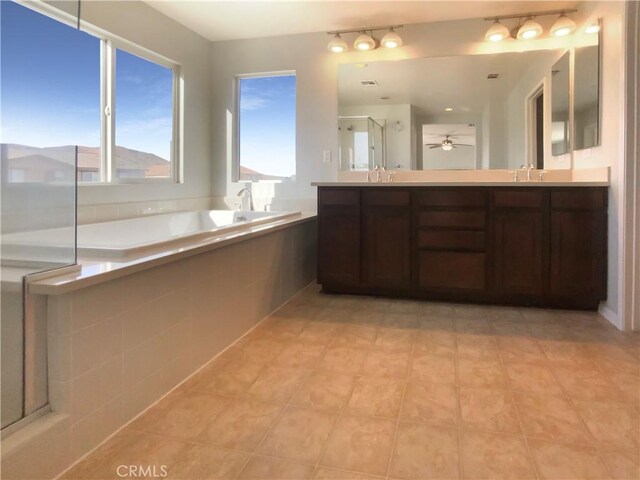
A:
<point x="512" y="244"/>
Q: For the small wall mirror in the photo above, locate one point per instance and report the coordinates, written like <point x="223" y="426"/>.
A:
<point x="586" y="116"/>
<point x="560" y="104"/>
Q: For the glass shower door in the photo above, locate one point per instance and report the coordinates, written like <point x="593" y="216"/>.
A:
<point x="50" y="102"/>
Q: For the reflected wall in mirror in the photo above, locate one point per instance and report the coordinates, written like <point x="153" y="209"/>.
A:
<point x="586" y="98"/>
<point x="361" y="143"/>
<point x="477" y="100"/>
<point x="560" y="84"/>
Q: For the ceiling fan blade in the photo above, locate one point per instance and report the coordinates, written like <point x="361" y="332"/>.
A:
<point x="464" y="145"/>
<point x="435" y="146"/>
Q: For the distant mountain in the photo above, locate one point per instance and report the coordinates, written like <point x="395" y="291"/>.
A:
<point x="129" y="162"/>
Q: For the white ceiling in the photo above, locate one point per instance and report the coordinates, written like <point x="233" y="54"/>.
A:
<point x="230" y="20"/>
<point x="432" y="84"/>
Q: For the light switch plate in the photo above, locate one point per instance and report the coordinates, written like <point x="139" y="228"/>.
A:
<point x="326" y="156"/>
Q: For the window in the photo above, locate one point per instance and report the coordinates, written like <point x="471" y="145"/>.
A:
<point x="144" y="118"/>
<point x="50" y="91"/>
<point x="267" y="127"/>
<point x="65" y="87"/>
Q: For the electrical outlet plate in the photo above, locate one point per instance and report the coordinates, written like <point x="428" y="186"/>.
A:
<point x="326" y="156"/>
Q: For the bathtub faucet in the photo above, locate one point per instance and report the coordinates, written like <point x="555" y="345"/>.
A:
<point x="248" y="192"/>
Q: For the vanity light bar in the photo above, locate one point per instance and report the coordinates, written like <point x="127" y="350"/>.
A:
<point x="527" y="27"/>
<point x="365" y="39"/>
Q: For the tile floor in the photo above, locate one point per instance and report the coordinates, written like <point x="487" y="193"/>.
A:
<point x="339" y="387"/>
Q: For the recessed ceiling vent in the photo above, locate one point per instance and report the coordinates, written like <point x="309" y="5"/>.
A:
<point x="491" y="76"/>
<point x="369" y="83"/>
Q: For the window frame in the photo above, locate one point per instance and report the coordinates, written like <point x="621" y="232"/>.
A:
<point x="235" y="170"/>
<point x="109" y="43"/>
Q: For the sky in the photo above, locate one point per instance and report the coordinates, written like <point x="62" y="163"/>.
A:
<point x="268" y="124"/>
<point x="50" y="88"/>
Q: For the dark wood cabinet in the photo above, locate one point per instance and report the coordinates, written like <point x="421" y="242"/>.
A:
<point x="339" y="237"/>
<point x="519" y="256"/>
<point x="386" y="239"/>
<point x="578" y="245"/>
<point x="542" y="246"/>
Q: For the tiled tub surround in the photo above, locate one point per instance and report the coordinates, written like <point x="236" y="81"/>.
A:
<point x="338" y="387"/>
<point x="117" y="347"/>
<point x="121" y="211"/>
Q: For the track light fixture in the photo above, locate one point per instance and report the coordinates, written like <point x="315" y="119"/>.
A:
<point x="365" y="39"/>
<point x="527" y="27"/>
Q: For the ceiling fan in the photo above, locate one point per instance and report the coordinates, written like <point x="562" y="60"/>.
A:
<point x="447" y="144"/>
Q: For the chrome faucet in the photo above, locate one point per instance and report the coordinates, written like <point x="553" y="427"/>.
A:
<point x="247" y="191"/>
<point x="528" y="170"/>
<point x="531" y="167"/>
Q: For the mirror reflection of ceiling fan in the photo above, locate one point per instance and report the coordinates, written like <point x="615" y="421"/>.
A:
<point x="447" y="144"/>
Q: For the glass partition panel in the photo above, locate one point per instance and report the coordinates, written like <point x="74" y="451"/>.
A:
<point x="50" y="102"/>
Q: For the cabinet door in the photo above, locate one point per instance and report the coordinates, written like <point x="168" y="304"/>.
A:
<point x="578" y="254"/>
<point x="387" y="247"/>
<point x="517" y="252"/>
<point x="339" y="246"/>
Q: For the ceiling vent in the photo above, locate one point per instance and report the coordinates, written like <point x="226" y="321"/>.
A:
<point x="491" y="76"/>
<point x="369" y="83"/>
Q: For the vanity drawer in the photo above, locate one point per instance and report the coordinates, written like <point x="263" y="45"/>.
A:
<point x="339" y="197"/>
<point x="466" y="220"/>
<point x="381" y="197"/>
<point x="578" y="198"/>
<point x="451" y="198"/>
<point x="518" y="198"/>
<point x="452" y="271"/>
<point x="451" y="239"/>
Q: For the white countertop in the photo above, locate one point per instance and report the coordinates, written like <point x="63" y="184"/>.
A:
<point x="586" y="177"/>
<point x="93" y="272"/>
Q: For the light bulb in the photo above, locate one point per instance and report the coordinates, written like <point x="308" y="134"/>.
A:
<point x="364" y="42"/>
<point x="337" y="44"/>
<point x="391" y="40"/>
<point x="563" y="26"/>
<point x="529" y="29"/>
<point x="497" y="32"/>
<point x="446" y="147"/>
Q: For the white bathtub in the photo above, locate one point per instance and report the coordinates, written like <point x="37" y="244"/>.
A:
<point x="136" y="236"/>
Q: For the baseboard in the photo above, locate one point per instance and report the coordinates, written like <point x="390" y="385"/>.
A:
<point x="610" y="315"/>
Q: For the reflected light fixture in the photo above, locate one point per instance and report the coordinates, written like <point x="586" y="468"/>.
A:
<point x="447" y="144"/>
<point x="497" y="32"/>
<point x="391" y="39"/>
<point x="448" y="109"/>
<point x="364" y="42"/>
<point x="593" y="28"/>
<point x="529" y="30"/>
<point x="563" y="26"/>
<point x="337" y="45"/>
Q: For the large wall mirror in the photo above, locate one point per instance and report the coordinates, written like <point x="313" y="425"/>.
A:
<point x="493" y="111"/>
